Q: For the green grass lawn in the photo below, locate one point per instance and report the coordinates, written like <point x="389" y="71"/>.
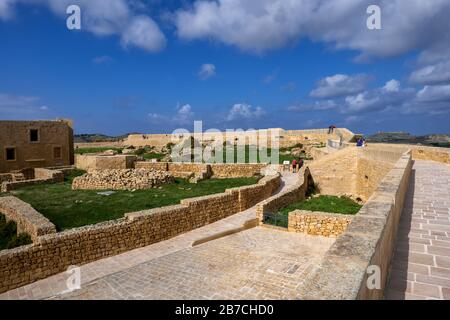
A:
<point x="330" y="204"/>
<point x="8" y="235"/>
<point x="95" y="150"/>
<point x="68" y="209"/>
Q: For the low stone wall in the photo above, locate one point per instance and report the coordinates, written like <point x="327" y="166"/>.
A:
<point x="89" y="162"/>
<point x="53" y="253"/>
<point x="318" y="223"/>
<point x="27" y="219"/>
<point x="294" y="193"/>
<point x="216" y="170"/>
<point x="41" y="176"/>
<point x="236" y="170"/>
<point x="121" y="179"/>
<point x="368" y="241"/>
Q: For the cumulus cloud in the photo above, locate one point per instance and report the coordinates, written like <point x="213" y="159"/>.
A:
<point x="244" y="111"/>
<point x="340" y="85"/>
<point x="206" y="71"/>
<point x="390" y="96"/>
<point x="439" y="93"/>
<point x="392" y="86"/>
<point x="104" y="18"/>
<point x="432" y="74"/>
<point x="262" y="25"/>
<point x="183" y="116"/>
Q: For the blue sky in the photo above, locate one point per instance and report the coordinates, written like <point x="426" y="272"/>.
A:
<point x="154" y="66"/>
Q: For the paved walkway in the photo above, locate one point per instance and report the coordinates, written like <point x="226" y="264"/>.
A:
<point x="421" y="265"/>
<point x="243" y="265"/>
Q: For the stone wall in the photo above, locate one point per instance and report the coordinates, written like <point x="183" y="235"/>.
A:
<point x="41" y="176"/>
<point x="121" y="179"/>
<point x="318" y="223"/>
<point x="89" y="162"/>
<point x="353" y="171"/>
<point x="53" y="253"/>
<point x="27" y="219"/>
<point x="294" y="193"/>
<point x="368" y="241"/>
<point x="216" y="170"/>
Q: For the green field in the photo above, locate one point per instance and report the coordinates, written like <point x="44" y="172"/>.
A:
<point x="68" y="208"/>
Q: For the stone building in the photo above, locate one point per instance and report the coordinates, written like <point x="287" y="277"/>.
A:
<point x="35" y="144"/>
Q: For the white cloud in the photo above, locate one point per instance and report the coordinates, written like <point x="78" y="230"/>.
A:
<point x="183" y="116"/>
<point x="144" y="33"/>
<point x="352" y="119"/>
<point x="104" y="18"/>
<point x="432" y="74"/>
<point x="392" y="86"/>
<point x="6" y="9"/>
<point x="434" y="94"/>
<point x="206" y="71"/>
<point x="244" y="111"/>
<point x="340" y="85"/>
<point x="261" y="25"/>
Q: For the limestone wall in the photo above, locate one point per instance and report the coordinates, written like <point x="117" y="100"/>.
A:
<point x="318" y="223"/>
<point x="53" y="253"/>
<point x="89" y="162"/>
<point x="27" y="219"/>
<point x="368" y="241"/>
<point x="353" y="171"/>
<point x="216" y="170"/>
<point x="294" y="193"/>
<point x="40" y="176"/>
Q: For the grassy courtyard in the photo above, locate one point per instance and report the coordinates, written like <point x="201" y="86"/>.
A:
<point x="68" y="209"/>
<point x="331" y="204"/>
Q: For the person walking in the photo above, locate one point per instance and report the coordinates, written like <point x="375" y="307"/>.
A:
<point x="294" y="165"/>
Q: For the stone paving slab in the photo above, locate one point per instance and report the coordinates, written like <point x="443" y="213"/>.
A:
<point x="421" y="264"/>
<point x="260" y="263"/>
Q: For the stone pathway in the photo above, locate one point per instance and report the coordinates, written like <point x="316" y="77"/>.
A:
<point x="421" y="264"/>
<point x="258" y="249"/>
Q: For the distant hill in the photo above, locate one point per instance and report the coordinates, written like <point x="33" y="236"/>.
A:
<point x="85" y="138"/>
<point x="435" y="140"/>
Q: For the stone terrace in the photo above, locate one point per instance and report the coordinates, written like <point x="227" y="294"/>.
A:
<point x="421" y="265"/>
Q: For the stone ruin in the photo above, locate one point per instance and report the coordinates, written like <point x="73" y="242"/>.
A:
<point x="122" y="179"/>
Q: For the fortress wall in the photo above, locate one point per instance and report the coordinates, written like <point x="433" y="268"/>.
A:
<point x="418" y="152"/>
<point x="287" y="137"/>
<point x="353" y="171"/>
<point x="368" y="242"/>
<point x="53" y="253"/>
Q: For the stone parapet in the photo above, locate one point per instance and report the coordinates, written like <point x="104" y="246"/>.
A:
<point x="368" y="242"/>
